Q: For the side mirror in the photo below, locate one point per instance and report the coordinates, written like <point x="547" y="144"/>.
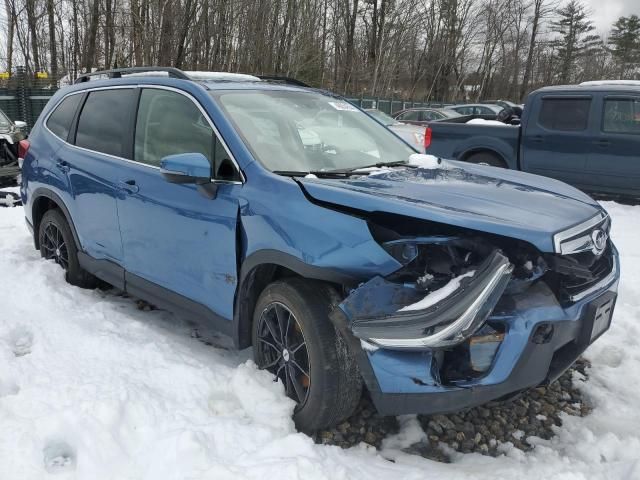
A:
<point x="20" y="124"/>
<point x="186" y="168"/>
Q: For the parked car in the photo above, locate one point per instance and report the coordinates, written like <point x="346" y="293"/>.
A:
<point x="11" y="133"/>
<point x="477" y="110"/>
<point x="503" y="103"/>
<point x="424" y="115"/>
<point x="412" y="134"/>
<point x="585" y="135"/>
<point x="436" y="285"/>
<point x="509" y="111"/>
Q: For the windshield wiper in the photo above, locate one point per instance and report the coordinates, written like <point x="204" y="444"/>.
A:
<point x="339" y="172"/>
<point x="317" y="173"/>
<point x="396" y="163"/>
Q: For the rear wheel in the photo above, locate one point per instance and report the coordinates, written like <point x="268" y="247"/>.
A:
<point x="294" y="339"/>
<point x="57" y="243"/>
<point x="487" y="158"/>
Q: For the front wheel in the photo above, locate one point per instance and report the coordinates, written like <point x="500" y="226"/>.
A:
<point x="294" y="339"/>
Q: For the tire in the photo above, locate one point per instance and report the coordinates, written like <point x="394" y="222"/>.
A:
<point x="57" y="243"/>
<point x="486" y="158"/>
<point x="333" y="381"/>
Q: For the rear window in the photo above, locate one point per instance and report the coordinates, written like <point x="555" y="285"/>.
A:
<point x="59" y="121"/>
<point x="621" y="115"/>
<point x="103" y="126"/>
<point x="565" y="114"/>
<point x="410" y="115"/>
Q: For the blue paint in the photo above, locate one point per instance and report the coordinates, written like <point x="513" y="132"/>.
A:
<point x="172" y="235"/>
<point x="194" y="165"/>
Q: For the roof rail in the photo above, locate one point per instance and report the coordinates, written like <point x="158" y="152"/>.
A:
<point x="287" y="80"/>
<point x="595" y="83"/>
<point x="118" y="72"/>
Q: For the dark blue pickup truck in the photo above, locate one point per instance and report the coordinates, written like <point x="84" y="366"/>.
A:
<point x="587" y="135"/>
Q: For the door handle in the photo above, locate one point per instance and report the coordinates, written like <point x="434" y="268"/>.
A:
<point x="602" y="143"/>
<point x="63" y="166"/>
<point x="537" y="139"/>
<point x="128" y="186"/>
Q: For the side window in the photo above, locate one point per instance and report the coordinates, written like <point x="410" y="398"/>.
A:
<point x="429" y="115"/>
<point x="565" y="114"/>
<point x="621" y="115"/>
<point x="410" y="115"/>
<point x="486" y="111"/>
<point x="60" y="120"/>
<point x="103" y="125"/>
<point x="169" y="123"/>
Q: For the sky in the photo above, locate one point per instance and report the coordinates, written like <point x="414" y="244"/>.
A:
<point x="605" y="13"/>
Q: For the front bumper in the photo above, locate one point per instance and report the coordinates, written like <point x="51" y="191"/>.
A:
<point x="403" y="382"/>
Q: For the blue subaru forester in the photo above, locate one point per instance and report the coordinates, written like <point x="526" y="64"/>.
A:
<point x="296" y="224"/>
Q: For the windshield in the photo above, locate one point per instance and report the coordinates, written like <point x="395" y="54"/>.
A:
<point x="5" y="123"/>
<point x="382" y="117"/>
<point x="448" y="113"/>
<point x="290" y="131"/>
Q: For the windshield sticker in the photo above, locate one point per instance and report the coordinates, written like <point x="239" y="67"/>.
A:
<point x="343" y="106"/>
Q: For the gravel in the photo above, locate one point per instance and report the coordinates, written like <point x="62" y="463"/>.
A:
<point x="483" y="429"/>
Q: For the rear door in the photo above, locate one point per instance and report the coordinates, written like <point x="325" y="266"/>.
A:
<point x="614" y="159"/>
<point x="174" y="236"/>
<point x="95" y="163"/>
<point x="557" y="138"/>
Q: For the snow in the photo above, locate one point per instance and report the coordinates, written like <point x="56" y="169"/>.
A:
<point x="482" y="121"/>
<point x="6" y="197"/>
<point x="438" y="295"/>
<point x="369" y="347"/>
<point x="93" y="388"/>
<point x="428" y="162"/>
<point x="372" y="171"/>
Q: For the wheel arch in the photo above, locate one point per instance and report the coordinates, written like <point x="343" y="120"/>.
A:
<point x="44" y="200"/>
<point x="264" y="267"/>
<point x="465" y="156"/>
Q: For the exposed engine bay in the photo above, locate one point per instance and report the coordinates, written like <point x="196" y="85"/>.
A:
<point x="448" y="286"/>
<point x="9" y="167"/>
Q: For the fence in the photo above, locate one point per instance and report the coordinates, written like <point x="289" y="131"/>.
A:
<point x="391" y="105"/>
<point x="23" y="97"/>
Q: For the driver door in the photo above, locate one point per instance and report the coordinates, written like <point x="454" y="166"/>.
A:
<point x="175" y="239"/>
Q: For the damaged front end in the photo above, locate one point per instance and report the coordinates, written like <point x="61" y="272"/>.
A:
<point x="470" y="317"/>
<point x="441" y="308"/>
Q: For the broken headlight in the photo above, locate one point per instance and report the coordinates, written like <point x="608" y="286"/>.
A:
<point x="446" y="295"/>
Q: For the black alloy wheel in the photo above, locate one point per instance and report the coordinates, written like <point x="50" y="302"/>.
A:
<point x="282" y="350"/>
<point x="54" y="246"/>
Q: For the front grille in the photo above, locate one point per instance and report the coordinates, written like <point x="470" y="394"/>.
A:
<point x="570" y="275"/>
<point x="580" y="238"/>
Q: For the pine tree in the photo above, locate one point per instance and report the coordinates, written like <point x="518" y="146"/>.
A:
<point x="625" y="46"/>
<point x="576" y="40"/>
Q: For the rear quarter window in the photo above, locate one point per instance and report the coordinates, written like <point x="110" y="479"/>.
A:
<point x="59" y="122"/>
<point x="621" y="115"/>
<point x="103" y="126"/>
<point x="565" y="114"/>
<point x="410" y="115"/>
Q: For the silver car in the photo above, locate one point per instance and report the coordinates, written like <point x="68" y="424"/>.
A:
<point x="414" y="135"/>
<point x="478" y="110"/>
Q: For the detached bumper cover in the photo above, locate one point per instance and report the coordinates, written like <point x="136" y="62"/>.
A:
<point x="407" y="381"/>
<point x="378" y="311"/>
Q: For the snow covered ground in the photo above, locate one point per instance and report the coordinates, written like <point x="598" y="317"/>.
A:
<point x="93" y="388"/>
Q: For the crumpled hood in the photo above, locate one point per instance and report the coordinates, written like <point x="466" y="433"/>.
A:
<point x="494" y="200"/>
